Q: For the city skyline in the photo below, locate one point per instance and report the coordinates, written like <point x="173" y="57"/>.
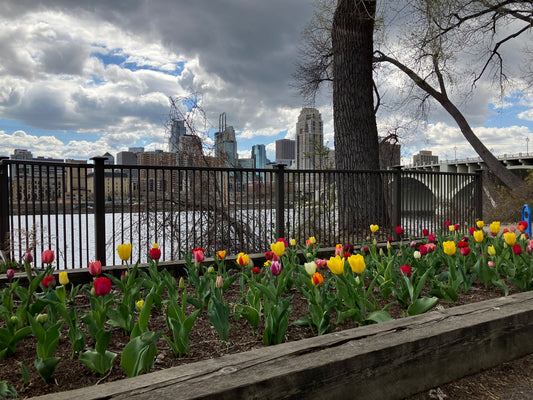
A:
<point x="80" y="81"/>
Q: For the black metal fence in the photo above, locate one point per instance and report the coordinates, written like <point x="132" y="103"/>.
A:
<point x="84" y="211"/>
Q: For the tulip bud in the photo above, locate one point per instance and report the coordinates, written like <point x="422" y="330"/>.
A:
<point x="251" y="263"/>
<point x="10" y="273"/>
<point x="220" y="282"/>
<point x="182" y="283"/>
<point x="491" y="264"/>
<point x="28" y="257"/>
<point x="139" y="304"/>
<point x="42" y="318"/>
<point x="389" y="245"/>
<point x="309" y="255"/>
<point x="14" y="320"/>
<point x="93" y="292"/>
<point x="413" y="244"/>
<point x="381" y="252"/>
<point x="124" y="276"/>
<point x="211" y="269"/>
<point x="375" y="242"/>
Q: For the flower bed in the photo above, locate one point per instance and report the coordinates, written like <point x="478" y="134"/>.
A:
<point x="147" y="320"/>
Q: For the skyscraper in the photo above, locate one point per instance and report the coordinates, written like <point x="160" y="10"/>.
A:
<point x="285" y="151"/>
<point x="309" y="137"/>
<point x="259" y="155"/>
<point x="225" y="143"/>
<point x="177" y="130"/>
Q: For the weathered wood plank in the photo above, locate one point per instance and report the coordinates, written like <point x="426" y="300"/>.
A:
<point x="386" y="361"/>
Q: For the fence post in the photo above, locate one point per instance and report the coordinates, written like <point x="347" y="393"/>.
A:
<point x="478" y="198"/>
<point x="397" y="201"/>
<point x="4" y="205"/>
<point x="280" y="201"/>
<point x="99" y="209"/>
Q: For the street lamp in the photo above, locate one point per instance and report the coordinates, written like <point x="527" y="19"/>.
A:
<point x="455" y="149"/>
<point x="527" y="145"/>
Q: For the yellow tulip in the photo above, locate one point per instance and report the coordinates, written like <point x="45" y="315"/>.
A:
<point x="278" y="248"/>
<point x="510" y="238"/>
<point x="449" y="247"/>
<point x="480" y="224"/>
<point x="221" y="254"/>
<point x="63" y="278"/>
<point x="155" y="246"/>
<point x="243" y="260"/>
<point x="374" y="228"/>
<point x="311" y="240"/>
<point x="357" y="263"/>
<point x="124" y="251"/>
<point x="495" y="227"/>
<point x="139" y="304"/>
<point x="293" y="242"/>
<point x="336" y="265"/>
<point x="451" y="228"/>
<point x="478" y="236"/>
<point x="491" y="250"/>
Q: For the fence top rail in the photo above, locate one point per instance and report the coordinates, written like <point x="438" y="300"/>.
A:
<point x="6" y="161"/>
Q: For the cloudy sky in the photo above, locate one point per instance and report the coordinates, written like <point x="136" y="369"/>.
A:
<point x="78" y="79"/>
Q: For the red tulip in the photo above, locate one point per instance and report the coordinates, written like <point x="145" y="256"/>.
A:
<point x="462" y="244"/>
<point x="399" y="230"/>
<point x="155" y="253"/>
<point x="425" y="232"/>
<point x="448" y="223"/>
<point x="431" y="238"/>
<point x="48" y="256"/>
<point x="102" y="286"/>
<point x="471" y="231"/>
<point x="198" y="254"/>
<point x="269" y="255"/>
<point x="256" y="270"/>
<point x="517" y="249"/>
<point x="49" y="281"/>
<point x="456" y="227"/>
<point x="423" y="250"/>
<point x="95" y="268"/>
<point x="406" y="270"/>
<point x="465" y="251"/>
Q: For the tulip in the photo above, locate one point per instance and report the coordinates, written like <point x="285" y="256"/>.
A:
<point x="243" y="259"/>
<point x="275" y="268"/>
<point x="374" y="228"/>
<point x="269" y="255"/>
<point x="480" y="224"/>
<point x="417" y="255"/>
<point x="139" y="304"/>
<point x="49" y="281"/>
<point x="431" y="247"/>
<point x="124" y="276"/>
<point x="406" y="270"/>
<point x="336" y="265"/>
<point x="198" y="254"/>
<point x="48" y="256"/>
<point x="124" y="251"/>
<point x="456" y="227"/>
<point x="462" y="244"/>
<point x="42" y="318"/>
<point x="425" y="232"/>
<point x="219" y="282"/>
<point x="256" y="270"/>
<point x="510" y="238"/>
<point x="310" y="267"/>
<point x="317" y="279"/>
<point x="95" y="268"/>
<point x="28" y="257"/>
<point x="221" y="254"/>
<point x="293" y="242"/>
<point x="210" y="270"/>
<point x="282" y="240"/>
<point x="181" y="283"/>
<point x="529" y="249"/>
<point x="155" y="252"/>
<point x="338" y="250"/>
<point x="278" y="248"/>
<point x="491" y="250"/>
<point x="517" y="249"/>
<point x="357" y="263"/>
<point x="449" y="247"/>
<point x="431" y="238"/>
<point x="423" y="249"/>
<point x="63" y="278"/>
<point x="522" y="226"/>
<point x="465" y="251"/>
<point x="366" y="249"/>
<point x="491" y="264"/>
<point x="478" y="236"/>
<point x="321" y="264"/>
<point x="495" y="227"/>
<point x="412" y="244"/>
<point x="512" y="229"/>
<point x="471" y="230"/>
<point x="311" y="241"/>
<point x="451" y="228"/>
<point x="399" y="230"/>
<point x="447" y="223"/>
<point x="10" y="273"/>
<point x="102" y="285"/>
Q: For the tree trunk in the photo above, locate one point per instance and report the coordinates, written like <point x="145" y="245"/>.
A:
<point x="356" y="137"/>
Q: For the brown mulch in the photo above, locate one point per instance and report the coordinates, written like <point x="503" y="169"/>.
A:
<point x="507" y="381"/>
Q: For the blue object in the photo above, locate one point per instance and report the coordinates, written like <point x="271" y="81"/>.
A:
<point x="526" y="216"/>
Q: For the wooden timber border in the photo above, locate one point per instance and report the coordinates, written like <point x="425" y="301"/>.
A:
<point x="391" y="360"/>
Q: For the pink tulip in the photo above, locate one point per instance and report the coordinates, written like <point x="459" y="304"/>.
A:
<point x="321" y="264"/>
<point x="28" y="257"/>
<point x="48" y="256"/>
<point x="95" y="268"/>
<point x="275" y="268"/>
<point x="10" y="273"/>
<point x="198" y="254"/>
<point x="491" y="264"/>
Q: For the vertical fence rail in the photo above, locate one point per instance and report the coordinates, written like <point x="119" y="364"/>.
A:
<point x="4" y="206"/>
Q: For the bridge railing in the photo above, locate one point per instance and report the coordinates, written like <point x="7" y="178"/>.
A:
<point x="84" y="211"/>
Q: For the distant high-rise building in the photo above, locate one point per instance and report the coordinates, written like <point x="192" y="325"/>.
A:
<point x="225" y="143"/>
<point x="425" y="157"/>
<point x="177" y="130"/>
<point x="190" y="151"/>
<point x="109" y="158"/>
<point x="259" y="156"/>
<point x="285" y="151"/>
<point x="136" y="150"/>
<point x="309" y="137"/>
<point x="21" y="154"/>
<point x="126" y="158"/>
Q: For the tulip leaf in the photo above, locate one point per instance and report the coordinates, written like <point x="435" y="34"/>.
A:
<point x="219" y="317"/>
<point x="139" y="353"/>
<point x="421" y="305"/>
<point x="98" y="362"/>
<point x="378" y="316"/>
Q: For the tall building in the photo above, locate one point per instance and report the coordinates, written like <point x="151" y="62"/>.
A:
<point x="109" y="159"/>
<point x="177" y="130"/>
<point x="154" y="182"/>
<point x="285" y="151"/>
<point x="425" y="157"/>
<point x="190" y="151"/>
<point x="136" y="150"/>
<point x="126" y="158"/>
<point x="225" y="142"/>
<point x="259" y="156"/>
<point x="309" y="136"/>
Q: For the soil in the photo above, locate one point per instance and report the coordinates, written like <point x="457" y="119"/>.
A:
<point x="509" y="379"/>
